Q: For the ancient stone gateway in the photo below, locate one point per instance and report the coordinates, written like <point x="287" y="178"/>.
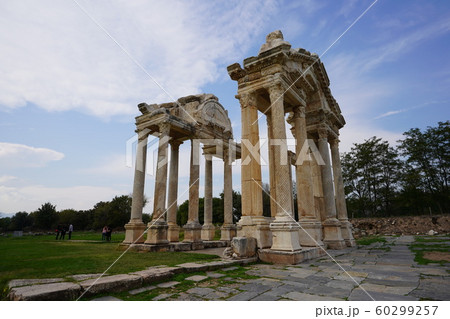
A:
<point x="202" y="120"/>
<point x="287" y="86"/>
<point x="281" y="81"/>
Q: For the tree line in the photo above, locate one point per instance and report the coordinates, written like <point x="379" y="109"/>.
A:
<point x="410" y="178"/>
<point x="115" y="214"/>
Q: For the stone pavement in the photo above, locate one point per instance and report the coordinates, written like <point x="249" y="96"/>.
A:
<point x="380" y="271"/>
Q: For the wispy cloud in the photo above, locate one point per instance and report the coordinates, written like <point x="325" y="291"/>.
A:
<point x="59" y="60"/>
<point x="20" y="155"/>
<point x="390" y="113"/>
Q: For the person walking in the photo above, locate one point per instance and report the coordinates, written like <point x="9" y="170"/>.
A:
<point x="70" y="231"/>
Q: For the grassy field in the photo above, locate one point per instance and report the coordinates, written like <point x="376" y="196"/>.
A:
<point x="424" y="245"/>
<point x="45" y="257"/>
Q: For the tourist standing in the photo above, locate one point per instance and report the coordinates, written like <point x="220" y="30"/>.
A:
<point x="104" y="231"/>
<point x="70" y="231"/>
<point x="63" y="232"/>
<point x="108" y="234"/>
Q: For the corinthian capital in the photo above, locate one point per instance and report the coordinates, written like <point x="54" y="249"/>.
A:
<point x="299" y="111"/>
<point x="323" y="132"/>
<point x="247" y="99"/>
<point x="276" y="91"/>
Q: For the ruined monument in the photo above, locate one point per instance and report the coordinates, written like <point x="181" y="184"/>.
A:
<point x="202" y="120"/>
<point x="284" y="85"/>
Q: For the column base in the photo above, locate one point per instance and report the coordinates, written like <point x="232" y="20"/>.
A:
<point x="332" y="236"/>
<point x="208" y="232"/>
<point x="310" y="233"/>
<point x="192" y="232"/>
<point x="347" y="235"/>
<point x="173" y="233"/>
<point x="285" y="236"/>
<point x="134" y="232"/>
<point x="227" y="232"/>
<point x="256" y="227"/>
<point x="157" y="233"/>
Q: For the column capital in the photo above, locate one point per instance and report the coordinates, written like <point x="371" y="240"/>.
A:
<point x="164" y="128"/>
<point x="175" y="143"/>
<point x="323" y="132"/>
<point x="299" y="111"/>
<point x="334" y="142"/>
<point x="247" y="99"/>
<point x="275" y="91"/>
<point x="143" y="134"/>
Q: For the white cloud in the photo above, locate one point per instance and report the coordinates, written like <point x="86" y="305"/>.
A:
<point x="6" y="178"/>
<point x="19" y="155"/>
<point x="59" y="59"/>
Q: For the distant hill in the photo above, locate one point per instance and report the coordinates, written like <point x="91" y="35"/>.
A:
<point x="2" y="215"/>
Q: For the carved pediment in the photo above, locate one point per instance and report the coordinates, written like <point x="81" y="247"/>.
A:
<point x="213" y="114"/>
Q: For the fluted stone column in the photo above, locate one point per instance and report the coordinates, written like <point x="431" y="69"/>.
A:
<point x="157" y="227"/>
<point x="284" y="228"/>
<point x="208" y="228"/>
<point x="135" y="228"/>
<point x="331" y="226"/>
<point x="252" y="222"/>
<point x="319" y="204"/>
<point x="192" y="229"/>
<point x="341" y="207"/>
<point x="228" y="229"/>
<point x="311" y="228"/>
<point x="273" y="191"/>
<point x="173" y="229"/>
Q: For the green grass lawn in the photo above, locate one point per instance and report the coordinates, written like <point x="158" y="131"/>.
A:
<point x="44" y="257"/>
<point x="424" y="244"/>
<point x="370" y="240"/>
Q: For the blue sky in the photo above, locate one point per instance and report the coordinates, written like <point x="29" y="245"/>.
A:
<point x="68" y="92"/>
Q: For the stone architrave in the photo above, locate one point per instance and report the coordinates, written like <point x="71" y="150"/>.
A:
<point x="331" y="225"/>
<point x="341" y="207"/>
<point x="310" y="232"/>
<point x="157" y="227"/>
<point x="208" y="229"/>
<point x="135" y="228"/>
<point x="228" y="229"/>
<point x="252" y="222"/>
<point x="192" y="229"/>
<point x="173" y="230"/>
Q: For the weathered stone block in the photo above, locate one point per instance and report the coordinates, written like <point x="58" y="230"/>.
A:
<point x="243" y="247"/>
<point x="153" y="274"/>
<point x="47" y="292"/>
<point x="116" y="283"/>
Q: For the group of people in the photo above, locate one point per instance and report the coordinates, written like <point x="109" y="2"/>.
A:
<point x="106" y="233"/>
<point x="61" y="231"/>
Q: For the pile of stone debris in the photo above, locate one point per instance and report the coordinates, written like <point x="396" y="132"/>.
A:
<point x="404" y="225"/>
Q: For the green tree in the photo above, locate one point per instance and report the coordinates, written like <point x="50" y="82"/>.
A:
<point x="371" y="173"/>
<point x="428" y="156"/>
<point x="45" y="217"/>
<point x="115" y="214"/>
<point x="20" y="221"/>
<point x="4" y="223"/>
